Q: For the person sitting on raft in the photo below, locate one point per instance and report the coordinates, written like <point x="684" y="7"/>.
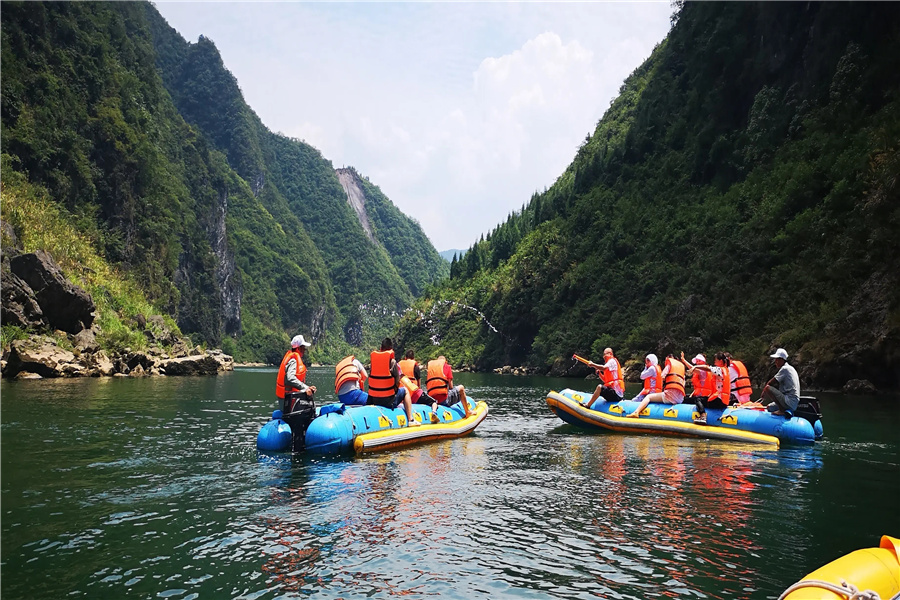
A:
<point x="673" y="387"/>
<point x="721" y="395"/>
<point x="439" y="386"/>
<point x="783" y="390"/>
<point x="349" y="377"/>
<point x="410" y="367"/>
<point x="384" y="382"/>
<point x="701" y="381"/>
<point x="740" y="380"/>
<point x="613" y="387"/>
<point x="651" y="376"/>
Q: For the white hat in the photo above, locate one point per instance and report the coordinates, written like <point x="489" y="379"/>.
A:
<point x="299" y="341"/>
<point x="780" y="353"/>
<point x="699" y="359"/>
<point x="653" y="360"/>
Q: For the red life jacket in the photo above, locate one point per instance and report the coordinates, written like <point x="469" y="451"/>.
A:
<point x="346" y="371"/>
<point x="300" y="372"/>
<point x="437" y="384"/>
<point x="675" y="376"/>
<point x="653" y="383"/>
<point x="741" y="385"/>
<point x="610" y="378"/>
<point x="382" y="383"/>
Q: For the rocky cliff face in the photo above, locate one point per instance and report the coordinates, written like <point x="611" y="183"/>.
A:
<point x="356" y="199"/>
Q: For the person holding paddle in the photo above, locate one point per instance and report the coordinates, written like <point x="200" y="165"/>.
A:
<point x="613" y="387"/>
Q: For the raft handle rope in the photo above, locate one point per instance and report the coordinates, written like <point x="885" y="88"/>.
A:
<point x="845" y="590"/>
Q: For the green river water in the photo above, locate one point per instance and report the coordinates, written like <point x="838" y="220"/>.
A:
<point x="153" y="488"/>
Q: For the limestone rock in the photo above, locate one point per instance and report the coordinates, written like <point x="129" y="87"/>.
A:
<point x="65" y="305"/>
<point x="198" y="364"/>
<point x="86" y="341"/>
<point x="39" y="355"/>
<point x="27" y="375"/>
<point x="19" y="305"/>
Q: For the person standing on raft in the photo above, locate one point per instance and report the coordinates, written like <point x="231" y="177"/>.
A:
<point x="384" y="382"/>
<point x="613" y="387"/>
<point x="290" y="385"/>
<point x="673" y="387"/>
<point x="782" y="391"/>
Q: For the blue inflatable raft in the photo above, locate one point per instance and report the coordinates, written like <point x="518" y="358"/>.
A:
<point x="343" y="429"/>
<point x="733" y="424"/>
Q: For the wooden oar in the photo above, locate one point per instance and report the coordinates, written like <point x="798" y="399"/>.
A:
<point x="585" y="361"/>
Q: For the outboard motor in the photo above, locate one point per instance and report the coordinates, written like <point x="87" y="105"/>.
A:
<point x="809" y="409"/>
<point x="302" y="413"/>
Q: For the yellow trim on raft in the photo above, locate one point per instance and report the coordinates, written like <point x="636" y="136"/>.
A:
<point x="557" y="401"/>
<point x="405" y="436"/>
<point x="876" y="569"/>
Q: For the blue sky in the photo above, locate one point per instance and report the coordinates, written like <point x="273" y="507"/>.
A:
<point x="457" y="111"/>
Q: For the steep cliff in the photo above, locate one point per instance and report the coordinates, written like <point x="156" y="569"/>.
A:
<point x="741" y="193"/>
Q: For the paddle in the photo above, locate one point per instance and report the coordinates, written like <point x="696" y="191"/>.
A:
<point x="585" y="361"/>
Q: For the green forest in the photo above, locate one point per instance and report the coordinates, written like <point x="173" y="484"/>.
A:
<point x="740" y="194"/>
<point x="141" y="143"/>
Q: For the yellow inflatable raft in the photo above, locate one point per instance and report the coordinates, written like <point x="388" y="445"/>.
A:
<point x="869" y="574"/>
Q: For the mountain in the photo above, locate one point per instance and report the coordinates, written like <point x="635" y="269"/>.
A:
<point x="741" y="194"/>
<point x="145" y="144"/>
<point x="449" y="254"/>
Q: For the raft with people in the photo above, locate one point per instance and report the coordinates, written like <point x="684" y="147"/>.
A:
<point x="340" y="429"/>
<point x="395" y="411"/>
<point x="732" y="424"/>
<point x="719" y="408"/>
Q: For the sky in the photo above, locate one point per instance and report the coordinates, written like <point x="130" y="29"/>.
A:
<point x="458" y="111"/>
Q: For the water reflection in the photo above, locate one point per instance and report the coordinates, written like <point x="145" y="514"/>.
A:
<point x="159" y="491"/>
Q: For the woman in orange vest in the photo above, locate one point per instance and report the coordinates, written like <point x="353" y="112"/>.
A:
<point x="349" y="376"/>
<point x="721" y="394"/>
<point x="384" y="382"/>
<point x="613" y="387"/>
<point x="651" y="376"/>
<point x="673" y="387"/>
<point x="702" y="381"/>
<point x="740" y="380"/>
<point x="290" y="384"/>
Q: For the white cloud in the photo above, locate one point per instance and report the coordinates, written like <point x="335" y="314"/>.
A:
<point x="459" y="112"/>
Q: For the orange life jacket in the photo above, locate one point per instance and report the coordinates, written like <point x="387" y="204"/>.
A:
<point x="437" y="385"/>
<point x="703" y="382"/>
<point x="300" y="372"/>
<point x="722" y="386"/>
<point x="675" y="376"/>
<point x="411" y="388"/>
<point x="610" y="378"/>
<point x="408" y="367"/>
<point x="741" y="385"/>
<point x="381" y="381"/>
<point x="346" y="371"/>
<point x="653" y="383"/>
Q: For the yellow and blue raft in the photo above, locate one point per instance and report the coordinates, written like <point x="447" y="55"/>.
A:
<point x="732" y="424"/>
